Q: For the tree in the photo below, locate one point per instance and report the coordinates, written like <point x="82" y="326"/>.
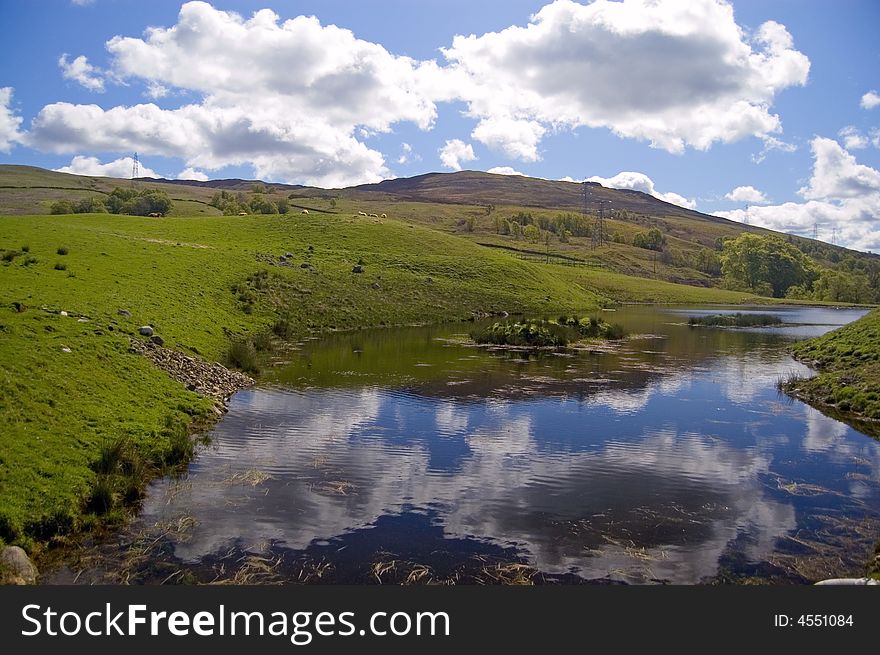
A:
<point x="61" y="207"/>
<point x="653" y="239"/>
<point x="765" y="263"/>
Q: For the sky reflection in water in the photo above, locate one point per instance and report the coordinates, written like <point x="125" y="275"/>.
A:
<point x="665" y="460"/>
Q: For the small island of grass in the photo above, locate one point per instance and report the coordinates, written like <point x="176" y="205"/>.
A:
<point x="546" y="333"/>
<point x="734" y="320"/>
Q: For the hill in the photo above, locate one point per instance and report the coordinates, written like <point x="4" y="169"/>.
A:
<point x="480" y="207"/>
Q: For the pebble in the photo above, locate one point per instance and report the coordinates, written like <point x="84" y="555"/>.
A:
<point x="195" y="374"/>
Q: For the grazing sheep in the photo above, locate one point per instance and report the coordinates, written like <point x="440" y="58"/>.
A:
<point x="384" y="216"/>
<point x="304" y="211"/>
<point x="362" y="213"/>
<point x="242" y="213"/>
<point x="155" y="214"/>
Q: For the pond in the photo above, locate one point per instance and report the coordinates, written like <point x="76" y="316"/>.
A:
<point x="409" y="455"/>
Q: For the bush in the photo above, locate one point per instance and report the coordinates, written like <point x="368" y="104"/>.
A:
<point x="242" y="355"/>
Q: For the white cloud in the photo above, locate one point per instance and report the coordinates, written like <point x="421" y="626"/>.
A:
<point x="836" y="174"/>
<point x="9" y="122"/>
<point x="673" y="73"/>
<point x="771" y="143"/>
<point x="155" y="90"/>
<point x="120" y="168"/>
<point x="875" y="137"/>
<point x="455" y="152"/>
<point x="518" y="139"/>
<point x="870" y="100"/>
<point x="842" y="196"/>
<point x="746" y="194"/>
<point x="852" y="138"/>
<point x="407" y="155"/>
<point x="82" y="3"/>
<point x="504" y="170"/>
<point x="81" y="71"/>
<point x="293" y="99"/>
<point x="192" y="174"/>
<point x="641" y="182"/>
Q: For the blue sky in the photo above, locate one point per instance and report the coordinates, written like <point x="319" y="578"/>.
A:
<point x="759" y="111"/>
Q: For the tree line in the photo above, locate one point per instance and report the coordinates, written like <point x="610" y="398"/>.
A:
<point x="121" y="200"/>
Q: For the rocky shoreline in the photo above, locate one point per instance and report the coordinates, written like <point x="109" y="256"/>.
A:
<point x="206" y="378"/>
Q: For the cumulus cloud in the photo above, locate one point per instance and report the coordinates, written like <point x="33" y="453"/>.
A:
<point x="292" y="98"/>
<point x="641" y="182"/>
<point x="192" y="174"/>
<point x="504" y="170"/>
<point x="82" y="72"/>
<point x="870" y="100"/>
<point x="746" y="194"/>
<point x="9" y="122"/>
<point x="853" y="139"/>
<point x="121" y="168"/>
<point x="673" y="73"/>
<point x="841" y="195"/>
<point x="454" y="152"/>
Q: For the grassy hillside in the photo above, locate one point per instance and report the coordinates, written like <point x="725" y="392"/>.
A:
<point x="848" y="383"/>
<point x="469" y="204"/>
<point x="69" y="385"/>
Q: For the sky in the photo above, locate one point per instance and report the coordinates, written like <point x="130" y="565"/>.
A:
<point x="761" y="111"/>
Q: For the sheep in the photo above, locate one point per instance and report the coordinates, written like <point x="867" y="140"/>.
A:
<point x="362" y="213"/>
<point x="304" y="211"/>
<point x="384" y="216"/>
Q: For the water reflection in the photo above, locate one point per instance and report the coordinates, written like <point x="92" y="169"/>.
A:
<point x="666" y="459"/>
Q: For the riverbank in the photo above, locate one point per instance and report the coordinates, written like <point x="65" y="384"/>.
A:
<point x="80" y="288"/>
<point x="847" y="385"/>
<point x="848" y="381"/>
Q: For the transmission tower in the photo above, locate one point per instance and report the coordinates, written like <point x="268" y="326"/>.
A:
<point x="135" y="167"/>
<point x="816" y="231"/>
<point x="599" y="225"/>
<point x="834" y="236"/>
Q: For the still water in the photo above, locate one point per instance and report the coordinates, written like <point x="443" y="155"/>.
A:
<point x="395" y="455"/>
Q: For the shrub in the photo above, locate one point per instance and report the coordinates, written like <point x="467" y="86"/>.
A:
<point x="242" y="355"/>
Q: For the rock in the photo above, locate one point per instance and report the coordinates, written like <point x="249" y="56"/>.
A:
<point x="146" y="330"/>
<point x="305" y="265"/>
<point x="288" y="255"/>
<point x="357" y="269"/>
<point x="123" y="312"/>
<point x="63" y="313"/>
<point x="159" y="341"/>
<point x="376" y="285"/>
<point x="19" y="307"/>
<point x="16" y="567"/>
<point x="65" y="349"/>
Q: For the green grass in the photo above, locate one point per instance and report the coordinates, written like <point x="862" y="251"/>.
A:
<point x="734" y="320"/>
<point x="849" y="363"/>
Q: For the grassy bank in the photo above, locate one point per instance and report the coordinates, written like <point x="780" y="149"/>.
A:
<point x="848" y="383"/>
<point x="70" y="389"/>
